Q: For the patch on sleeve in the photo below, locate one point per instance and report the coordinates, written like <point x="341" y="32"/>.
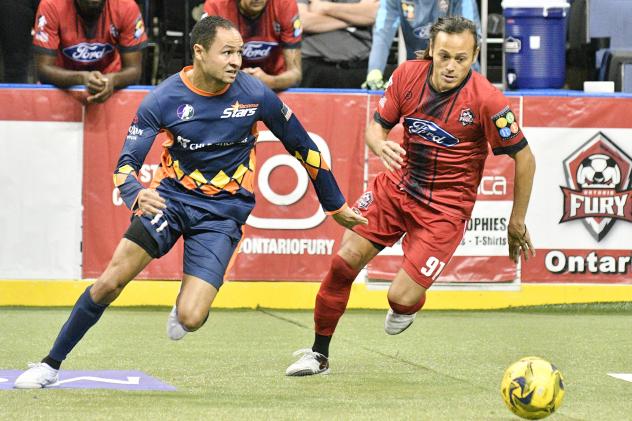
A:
<point x="506" y="124"/>
<point x="297" y="26"/>
<point x="382" y="102"/>
<point x="365" y="201"/>
<point x="286" y="111"/>
<point x="41" y="34"/>
<point x="139" y="27"/>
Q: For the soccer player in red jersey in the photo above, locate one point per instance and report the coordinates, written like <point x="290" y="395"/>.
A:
<point x="272" y="34"/>
<point x="96" y="43"/>
<point x="450" y="116"/>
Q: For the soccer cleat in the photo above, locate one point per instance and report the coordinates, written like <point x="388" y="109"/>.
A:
<point x="309" y="364"/>
<point x="395" y="323"/>
<point x="175" y="331"/>
<point x="38" y="375"/>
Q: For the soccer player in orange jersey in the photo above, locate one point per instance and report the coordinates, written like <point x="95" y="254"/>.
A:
<point x="203" y="191"/>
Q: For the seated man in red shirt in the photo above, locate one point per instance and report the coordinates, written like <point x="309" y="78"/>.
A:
<point x="271" y="30"/>
<point x="96" y="43"/>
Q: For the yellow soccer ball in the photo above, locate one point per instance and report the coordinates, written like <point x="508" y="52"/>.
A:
<point x="532" y="388"/>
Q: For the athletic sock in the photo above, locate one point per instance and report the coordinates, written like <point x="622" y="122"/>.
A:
<point x="333" y="296"/>
<point x="52" y="362"/>
<point x="83" y="316"/>
<point x="321" y="344"/>
<point x="402" y="309"/>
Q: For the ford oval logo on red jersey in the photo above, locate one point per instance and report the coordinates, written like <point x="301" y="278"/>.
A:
<point x="429" y="131"/>
<point x="257" y="50"/>
<point x="87" y="52"/>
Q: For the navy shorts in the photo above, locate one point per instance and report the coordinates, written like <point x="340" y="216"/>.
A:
<point x="209" y="240"/>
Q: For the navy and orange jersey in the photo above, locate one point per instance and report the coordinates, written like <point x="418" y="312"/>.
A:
<point x="60" y="31"/>
<point x="208" y="159"/>
<point x="446" y="134"/>
<point x="277" y="28"/>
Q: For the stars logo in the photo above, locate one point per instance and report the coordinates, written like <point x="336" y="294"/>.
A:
<point x="185" y="112"/>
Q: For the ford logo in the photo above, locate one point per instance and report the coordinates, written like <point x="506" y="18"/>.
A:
<point x="87" y="52"/>
<point x="257" y="50"/>
<point x="429" y="131"/>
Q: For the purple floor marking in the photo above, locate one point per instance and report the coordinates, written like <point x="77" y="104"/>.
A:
<point x="103" y="379"/>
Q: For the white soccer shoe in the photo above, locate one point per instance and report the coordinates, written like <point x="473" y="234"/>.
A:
<point x="38" y="375"/>
<point x="395" y="323"/>
<point x="309" y="364"/>
<point x="175" y="331"/>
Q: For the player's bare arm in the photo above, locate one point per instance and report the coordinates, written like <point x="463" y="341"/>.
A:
<point x="315" y="23"/>
<point x="361" y="13"/>
<point x="286" y="79"/>
<point x="293" y="72"/>
<point x="348" y="218"/>
<point x="391" y="153"/>
<point x="517" y="232"/>
<point x="49" y="72"/>
<point x="129" y="74"/>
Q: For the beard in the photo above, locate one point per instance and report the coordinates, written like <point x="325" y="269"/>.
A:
<point x="89" y="12"/>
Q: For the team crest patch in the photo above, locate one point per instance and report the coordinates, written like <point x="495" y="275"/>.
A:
<point x="598" y="190"/>
<point x="114" y="31"/>
<point x="506" y="124"/>
<point x="139" y="27"/>
<point x="297" y="26"/>
<point x="365" y="201"/>
<point x="185" y="112"/>
<point x="467" y="117"/>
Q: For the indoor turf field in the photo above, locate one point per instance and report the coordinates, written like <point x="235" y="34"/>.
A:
<point x="447" y="366"/>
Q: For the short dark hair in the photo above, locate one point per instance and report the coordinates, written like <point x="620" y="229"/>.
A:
<point x="449" y="25"/>
<point x="204" y="31"/>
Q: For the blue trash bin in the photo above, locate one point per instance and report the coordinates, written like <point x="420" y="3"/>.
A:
<point x="535" y="43"/>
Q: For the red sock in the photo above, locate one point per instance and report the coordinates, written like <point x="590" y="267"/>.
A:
<point x="333" y="296"/>
<point x="402" y="309"/>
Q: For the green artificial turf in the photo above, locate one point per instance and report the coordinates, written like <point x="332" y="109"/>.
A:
<point x="447" y="366"/>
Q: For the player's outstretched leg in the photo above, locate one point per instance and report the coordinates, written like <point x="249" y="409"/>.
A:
<point x="405" y="298"/>
<point x="331" y="303"/>
<point x="128" y="260"/>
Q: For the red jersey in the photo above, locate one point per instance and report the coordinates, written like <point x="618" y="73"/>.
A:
<point x="446" y="135"/>
<point x="60" y="31"/>
<point x="278" y="27"/>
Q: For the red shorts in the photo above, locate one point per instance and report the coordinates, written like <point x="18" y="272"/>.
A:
<point x="431" y="236"/>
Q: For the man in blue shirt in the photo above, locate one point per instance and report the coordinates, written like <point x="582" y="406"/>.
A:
<point x="203" y="190"/>
<point x="415" y="18"/>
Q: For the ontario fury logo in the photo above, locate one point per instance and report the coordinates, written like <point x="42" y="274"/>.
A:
<point x="598" y="176"/>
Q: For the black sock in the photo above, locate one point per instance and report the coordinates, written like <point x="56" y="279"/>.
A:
<point x="53" y="363"/>
<point x="321" y="344"/>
